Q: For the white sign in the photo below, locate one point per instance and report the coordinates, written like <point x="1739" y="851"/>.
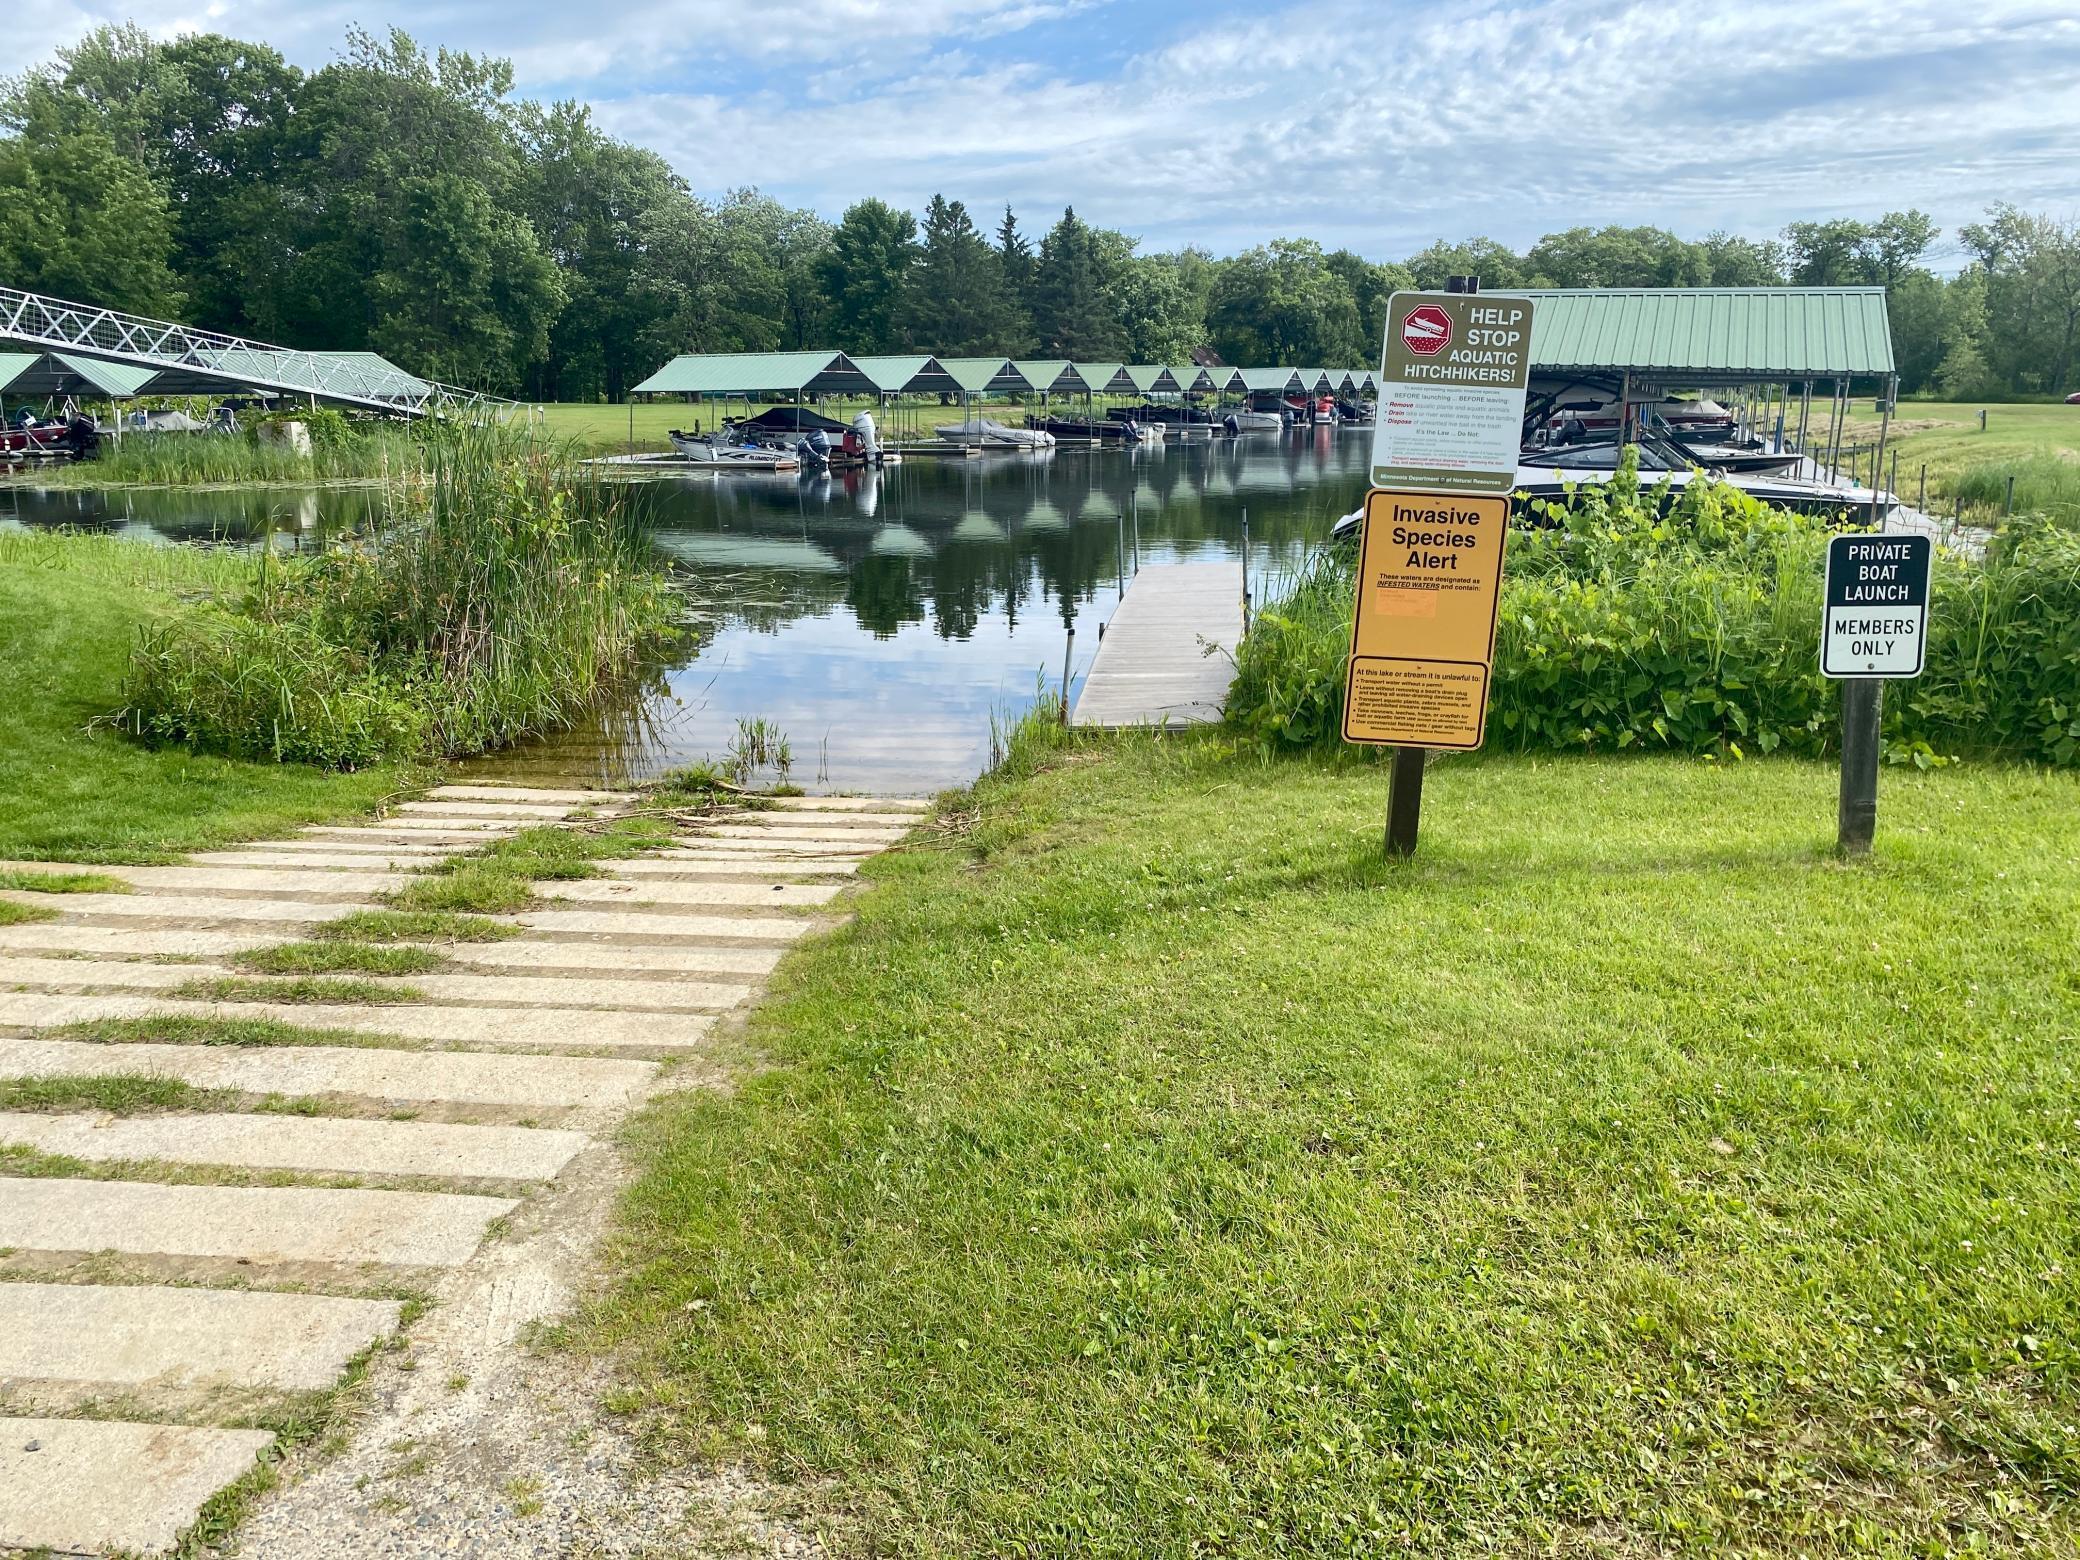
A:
<point x="1877" y="606"/>
<point x="1451" y="401"/>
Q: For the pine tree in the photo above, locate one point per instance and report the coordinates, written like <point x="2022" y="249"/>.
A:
<point x="954" y="300"/>
<point x="1072" y="295"/>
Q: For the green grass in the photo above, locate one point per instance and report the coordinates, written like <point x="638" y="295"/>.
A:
<point x="500" y="878"/>
<point x="71" y="608"/>
<point x="1627" y="1174"/>
<point x="13" y="914"/>
<point x="182" y="1030"/>
<point x="415" y="926"/>
<point x="118" y="1094"/>
<point x="300" y="988"/>
<point x="61" y="882"/>
<point x="1962" y="461"/>
<point x="191" y="459"/>
<point x="321" y="958"/>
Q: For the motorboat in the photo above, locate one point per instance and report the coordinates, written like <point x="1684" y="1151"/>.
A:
<point x="1177" y="415"/>
<point x="1121" y="429"/>
<point x="1242" y="420"/>
<point x="988" y="434"/>
<point x="724" y="451"/>
<point x="1664" y="450"/>
<point x="859" y="445"/>
<point x="74" y="437"/>
<point x="1588" y="407"/>
<point x="1355" y="412"/>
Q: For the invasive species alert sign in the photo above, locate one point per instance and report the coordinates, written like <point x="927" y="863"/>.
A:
<point x="1451" y="400"/>
<point x="1423" y="640"/>
<point x="1877" y="606"/>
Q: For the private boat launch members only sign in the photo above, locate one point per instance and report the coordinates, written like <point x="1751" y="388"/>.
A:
<point x="1451" y="403"/>
<point x="1429" y="583"/>
<point x="1877" y="606"/>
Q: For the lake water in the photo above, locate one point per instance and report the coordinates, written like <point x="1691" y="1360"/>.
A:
<point x="879" y="619"/>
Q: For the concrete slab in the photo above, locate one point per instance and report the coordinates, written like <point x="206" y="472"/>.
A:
<point x="183" y="907"/>
<point x="832" y="821"/>
<point x="528" y="793"/>
<point x="415" y="848"/>
<point x="316" y="1143"/>
<point x="613" y="891"/>
<point x="693" y="866"/>
<point x="793" y="850"/>
<point x="146" y="1335"/>
<point x="118" y="942"/>
<point x="384" y="1076"/>
<point x="424" y="1021"/>
<point x="287" y="882"/>
<point x="662" y="924"/>
<point x="504" y="812"/>
<point x="258" y="1224"/>
<point x="531" y="954"/>
<point x="81" y="976"/>
<point x="91" y="1485"/>
<point x="804" y="833"/>
<point x="907" y="804"/>
<point x="396" y="858"/>
<point x="432" y="830"/>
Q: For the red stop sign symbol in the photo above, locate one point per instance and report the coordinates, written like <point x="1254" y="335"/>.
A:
<point x="1427" y="330"/>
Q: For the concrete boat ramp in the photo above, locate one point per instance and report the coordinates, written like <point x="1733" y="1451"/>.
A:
<point x="169" y="1277"/>
<point x="1167" y="655"/>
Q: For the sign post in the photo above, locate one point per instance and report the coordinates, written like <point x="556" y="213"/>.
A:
<point x="1444" y="459"/>
<point x="1874" y="626"/>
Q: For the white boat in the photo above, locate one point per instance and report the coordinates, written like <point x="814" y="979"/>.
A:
<point x="720" y="452"/>
<point x="1245" y="421"/>
<point x="980" y="430"/>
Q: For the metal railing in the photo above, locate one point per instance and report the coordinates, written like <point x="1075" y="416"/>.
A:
<point x="56" y="325"/>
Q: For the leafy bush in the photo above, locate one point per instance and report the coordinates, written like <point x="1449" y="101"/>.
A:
<point x="1693" y="623"/>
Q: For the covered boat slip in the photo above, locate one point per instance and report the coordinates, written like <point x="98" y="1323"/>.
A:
<point x="915" y="391"/>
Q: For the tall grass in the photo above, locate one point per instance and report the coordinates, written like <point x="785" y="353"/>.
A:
<point x="504" y="592"/>
<point x="339" y="451"/>
<point x="2045" y="484"/>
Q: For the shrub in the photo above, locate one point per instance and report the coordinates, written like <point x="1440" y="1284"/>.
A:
<point x="1630" y="619"/>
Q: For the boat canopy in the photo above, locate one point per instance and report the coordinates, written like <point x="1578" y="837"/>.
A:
<point x="985" y="376"/>
<point x="759" y="373"/>
<point x="1153" y="379"/>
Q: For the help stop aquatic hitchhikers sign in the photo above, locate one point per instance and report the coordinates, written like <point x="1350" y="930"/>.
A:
<point x="1451" y="402"/>
<point x="1877" y="606"/>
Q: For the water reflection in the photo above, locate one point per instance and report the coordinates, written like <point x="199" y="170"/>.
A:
<point x="880" y="618"/>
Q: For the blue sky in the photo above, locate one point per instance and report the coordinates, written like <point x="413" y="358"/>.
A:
<point x="1372" y="123"/>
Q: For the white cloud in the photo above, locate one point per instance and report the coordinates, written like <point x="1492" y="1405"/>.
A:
<point x="1383" y="126"/>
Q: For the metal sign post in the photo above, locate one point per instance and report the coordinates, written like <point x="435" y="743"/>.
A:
<point x="1444" y="458"/>
<point x="1874" y="626"/>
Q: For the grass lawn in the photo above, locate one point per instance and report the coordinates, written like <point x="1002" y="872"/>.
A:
<point x="1945" y="436"/>
<point x="70" y="607"/>
<point x="1165" y="1174"/>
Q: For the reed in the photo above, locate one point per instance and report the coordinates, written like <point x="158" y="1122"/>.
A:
<point x="199" y="459"/>
<point x="504" y="592"/>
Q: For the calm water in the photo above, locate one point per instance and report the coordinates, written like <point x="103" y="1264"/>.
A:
<point x="878" y="619"/>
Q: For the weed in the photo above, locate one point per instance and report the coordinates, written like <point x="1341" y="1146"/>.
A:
<point x="394" y="926"/>
<point x="300" y="988"/>
<point x="61" y="882"/>
<point x="329" y="958"/>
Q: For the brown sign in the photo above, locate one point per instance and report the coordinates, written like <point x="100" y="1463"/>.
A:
<point x="1451" y="403"/>
<point x="1429" y="585"/>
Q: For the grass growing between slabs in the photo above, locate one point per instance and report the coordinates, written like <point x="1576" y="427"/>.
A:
<point x="296" y="988"/>
<point x="340" y="958"/>
<point x="1168" y="1174"/>
<point x="71" y="609"/>
<point x="500" y="878"/>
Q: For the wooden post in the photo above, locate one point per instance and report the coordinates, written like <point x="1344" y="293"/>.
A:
<point x="1405" y="802"/>
<point x="1863" y="701"/>
<point x="1068" y="650"/>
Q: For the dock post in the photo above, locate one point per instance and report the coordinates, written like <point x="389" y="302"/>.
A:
<point x="1245" y="570"/>
<point x="1068" y="650"/>
<point x="1856" y="822"/>
<point x="1405" y="802"/>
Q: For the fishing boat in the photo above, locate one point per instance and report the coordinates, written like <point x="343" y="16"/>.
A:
<point x="982" y="432"/>
<point x="724" y="452"/>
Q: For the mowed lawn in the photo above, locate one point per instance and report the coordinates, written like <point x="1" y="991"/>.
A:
<point x="1945" y="436"/>
<point x="75" y="788"/>
<point x="1149" y="1169"/>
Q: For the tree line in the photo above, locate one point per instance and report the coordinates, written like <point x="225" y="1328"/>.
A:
<point x="409" y="203"/>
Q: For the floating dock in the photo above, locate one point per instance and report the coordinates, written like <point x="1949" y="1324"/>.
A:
<point x="1153" y="666"/>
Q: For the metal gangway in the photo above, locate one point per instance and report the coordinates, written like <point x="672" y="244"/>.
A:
<point x="191" y="361"/>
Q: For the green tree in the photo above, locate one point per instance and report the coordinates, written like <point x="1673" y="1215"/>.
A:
<point x="1370" y="287"/>
<point x="953" y="299"/>
<point x="81" y="220"/>
<point x="864" y="271"/>
<point x="1743" y="262"/>
<point x="1964" y="372"/>
<point x="1158" y="313"/>
<point x="1284" y="304"/>
<point x="1074" y="312"/>
<point x="1617" y="257"/>
<point x="1495" y="264"/>
<point x="1015" y="259"/>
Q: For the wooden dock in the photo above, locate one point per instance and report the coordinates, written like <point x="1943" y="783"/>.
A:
<point x="1152" y="667"/>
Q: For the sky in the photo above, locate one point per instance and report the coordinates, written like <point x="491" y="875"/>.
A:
<point x="1377" y="124"/>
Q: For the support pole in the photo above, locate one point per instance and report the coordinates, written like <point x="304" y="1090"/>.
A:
<point x="1405" y="802"/>
<point x="1863" y="701"/>
<point x="1068" y="650"/>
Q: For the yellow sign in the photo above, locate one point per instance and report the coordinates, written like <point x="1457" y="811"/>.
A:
<point x="1429" y="584"/>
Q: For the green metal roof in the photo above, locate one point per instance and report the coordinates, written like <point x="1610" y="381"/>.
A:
<point x="985" y="375"/>
<point x="918" y="374"/>
<point x="1105" y="378"/>
<point x="1057" y="376"/>
<point x="751" y="373"/>
<point x="1153" y="379"/>
<point x="1259" y="380"/>
<point x="63" y="373"/>
<point x="1191" y="377"/>
<point x="1223" y="379"/>
<point x="1712" y="335"/>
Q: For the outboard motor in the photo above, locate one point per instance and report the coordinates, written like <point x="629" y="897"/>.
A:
<point x="819" y="445"/>
<point x="1232" y="424"/>
<point x="869" y="444"/>
<point x="81" y="437"/>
